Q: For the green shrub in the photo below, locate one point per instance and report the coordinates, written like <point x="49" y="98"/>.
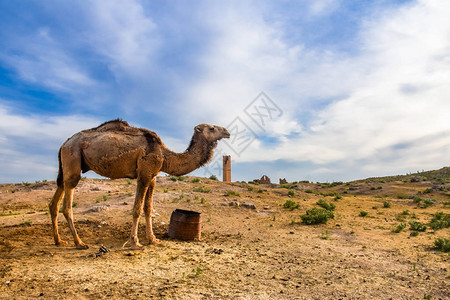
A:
<point x="399" y="228"/>
<point x="427" y="203"/>
<point x="402" y="197"/>
<point x="201" y="189"/>
<point x="291" y="205"/>
<point x="417" y="226"/>
<point x="363" y="213"/>
<point x="442" y="244"/>
<point x="177" y="178"/>
<point x="325" y="204"/>
<point x="195" y="180"/>
<point x="129" y="181"/>
<point x="440" y="220"/>
<point x="316" y="216"/>
<point x="387" y="204"/>
<point x="232" y="193"/>
<point x="250" y="188"/>
<point x="309" y="191"/>
<point x="213" y="177"/>
<point x="414" y="233"/>
<point x="291" y="193"/>
<point x="26" y="223"/>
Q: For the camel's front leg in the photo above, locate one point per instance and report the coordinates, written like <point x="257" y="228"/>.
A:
<point x="141" y="190"/>
<point x="148" y="210"/>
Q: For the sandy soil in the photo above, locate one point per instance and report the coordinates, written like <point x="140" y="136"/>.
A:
<point x="244" y="253"/>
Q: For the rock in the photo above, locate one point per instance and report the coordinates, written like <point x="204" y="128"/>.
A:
<point x="249" y="205"/>
<point x="98" y="208"/>
<point x="233" y="203"/>
<point x="82" y="220"/>
<point x="266" y="207"/>
<point x="7" y="282"/>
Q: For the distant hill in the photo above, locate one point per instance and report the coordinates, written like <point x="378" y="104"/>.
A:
<point x="441" y="176"/>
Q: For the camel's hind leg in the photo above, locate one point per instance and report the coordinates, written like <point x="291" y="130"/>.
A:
<point x="54" y="207"/>
<point x="148" y="210"/>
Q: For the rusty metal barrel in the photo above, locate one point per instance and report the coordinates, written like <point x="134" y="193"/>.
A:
<point x="185" y="225"/>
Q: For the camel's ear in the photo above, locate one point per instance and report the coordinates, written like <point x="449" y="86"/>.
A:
<point x="198" y="129"/>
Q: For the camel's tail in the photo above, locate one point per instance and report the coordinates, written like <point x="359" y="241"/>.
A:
<point x="59" y="180"/>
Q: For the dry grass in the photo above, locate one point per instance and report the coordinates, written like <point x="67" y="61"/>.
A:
<point x="265" y="252"/>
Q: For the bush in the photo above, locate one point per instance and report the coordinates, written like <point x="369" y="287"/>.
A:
<point x="195" y="180"/>
<point x="414" y="233"/>
<point x="442" y="244"/>
<point x="427" y="203"/>
<point x="399" y="228"/>
<point x="363" y="213"/>
<point x="179" y="178"/>
<point x="417" y="226"/>
<point x="316" y="216"/>
<point x="202" y="189"/>
<point x="250" y="188"/>
<point x="440" y="220"/>
<point x="213" y="177"/>
<point x="387" y="204"/>
<point x="291" y="193"/>
<point x="325" y="204"/>
<point x="309" y="191"/>
<point x="232" y="193"/>
<point x="291" y="205"/>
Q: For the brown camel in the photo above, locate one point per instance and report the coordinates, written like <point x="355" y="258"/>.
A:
<point x="118" y="150"/>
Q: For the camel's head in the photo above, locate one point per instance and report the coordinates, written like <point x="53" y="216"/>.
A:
<point x="212" y="133"/>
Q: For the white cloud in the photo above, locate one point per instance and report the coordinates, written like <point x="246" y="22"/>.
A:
<point x="29" y="144"/>
<point x="42" y="59"/>
<point x="123" y="33"/>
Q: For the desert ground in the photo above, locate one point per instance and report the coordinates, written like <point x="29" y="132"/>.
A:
<point x="252" y="247"/>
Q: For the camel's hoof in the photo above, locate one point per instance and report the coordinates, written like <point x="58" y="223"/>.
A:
<point x="137" y="246"/>
<point x="154" y="241"/>
<point x="82" y="246"/>
<point x="61" y="243"/>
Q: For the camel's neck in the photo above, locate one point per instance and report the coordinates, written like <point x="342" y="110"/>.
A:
<point x="199" y="153"/>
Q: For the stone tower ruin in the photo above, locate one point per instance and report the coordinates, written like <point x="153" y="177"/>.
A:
<point x="227" y="168"/>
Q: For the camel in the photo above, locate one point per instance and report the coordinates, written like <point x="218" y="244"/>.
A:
<point x="117" y="150"/>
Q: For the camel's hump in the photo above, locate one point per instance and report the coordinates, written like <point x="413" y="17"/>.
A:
<point x="120" y="126"/>
<point x="117" y="124"/>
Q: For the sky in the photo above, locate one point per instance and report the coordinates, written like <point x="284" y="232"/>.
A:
<point x="323" y="90"/>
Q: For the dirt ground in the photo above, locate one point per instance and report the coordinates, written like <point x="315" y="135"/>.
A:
<point x="260" y="252"/>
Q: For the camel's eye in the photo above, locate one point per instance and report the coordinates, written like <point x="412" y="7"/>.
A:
<point x="211" y="129"/>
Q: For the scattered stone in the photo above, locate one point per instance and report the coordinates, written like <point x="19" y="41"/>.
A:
<point x="234" y="203"/>
<point x="217" y="251"/>
<point x="266" y="207"/>
<point x="103" y="223"/>
<point x="83" y="220"/>
<point x="249" y="205"/>
<point x="124" y="203"/>
<point x="163" y="223"/>
<point x="7" y="282"/>
<point x="98" y="208"/>
<point x="155" y="214"/>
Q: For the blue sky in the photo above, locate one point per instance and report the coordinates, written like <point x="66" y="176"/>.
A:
<point x="351" y="89"/>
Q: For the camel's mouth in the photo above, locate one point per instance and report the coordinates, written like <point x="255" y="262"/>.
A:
<point x="226" y="134"/>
